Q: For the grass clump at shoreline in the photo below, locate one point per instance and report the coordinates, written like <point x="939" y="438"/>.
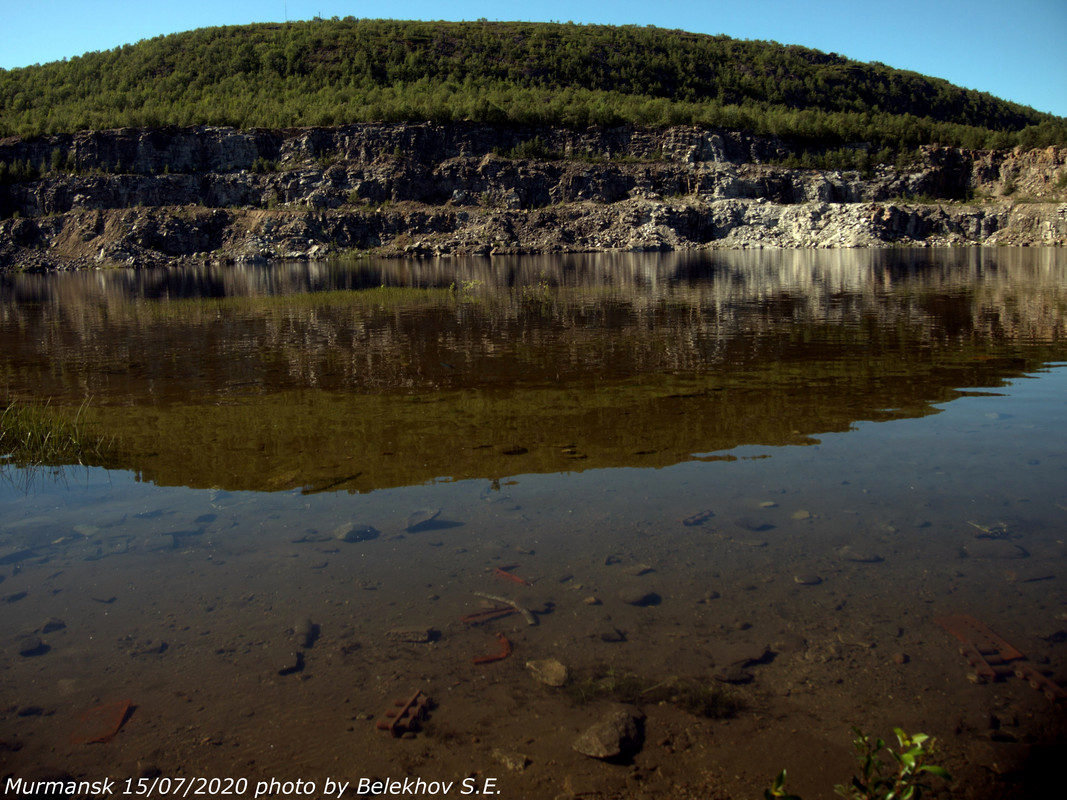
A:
<point x="34" y="434"/>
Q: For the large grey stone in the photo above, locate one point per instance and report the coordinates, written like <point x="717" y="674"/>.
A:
<point x="618" y="733"/>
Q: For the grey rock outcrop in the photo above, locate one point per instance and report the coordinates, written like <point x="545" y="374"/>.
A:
<point x="157" y="196"/>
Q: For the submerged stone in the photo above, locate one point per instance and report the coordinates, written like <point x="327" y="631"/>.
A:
<point x="354" y="532"/>
<point x="616" y="734"/>
<point x="29" y="646"/>
<point x="548" y="671"/>
<point x="639" y="597"/>
<point x="413" y="635"/>
<point x="306" y="632"/>
<point x="994" y="549"/>
<point x="752" y="525"/>
<point x="421" y="519"/>
<point x="849" y="553"/>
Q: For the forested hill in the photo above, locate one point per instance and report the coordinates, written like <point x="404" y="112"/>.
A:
<point x="330" y="72"/>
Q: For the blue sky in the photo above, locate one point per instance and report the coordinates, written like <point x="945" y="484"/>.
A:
<point x="1014" y="50"/>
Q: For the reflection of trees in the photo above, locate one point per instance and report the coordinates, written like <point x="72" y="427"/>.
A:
<point x="274" y="378"/>
<point x="125" y="335"/>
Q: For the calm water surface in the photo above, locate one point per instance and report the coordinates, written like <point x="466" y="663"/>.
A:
<point x="763" y="474"/>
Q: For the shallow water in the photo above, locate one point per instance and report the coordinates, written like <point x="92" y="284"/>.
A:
<point x="805" y="458"/>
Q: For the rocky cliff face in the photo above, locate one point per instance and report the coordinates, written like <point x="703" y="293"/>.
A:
<point x="155" y="196"/>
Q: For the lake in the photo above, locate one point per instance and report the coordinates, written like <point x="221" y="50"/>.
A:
<point x="761" y="496"/>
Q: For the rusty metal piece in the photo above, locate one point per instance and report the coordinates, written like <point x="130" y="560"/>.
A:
<point x="507" y="574"/>
<point x="406" y="715"/>
<point x="972" y="632"/>
<point x="1042" y="683"/>
<point x="102" y="723"/>
<point x="983" y="670"/>
<point x="478" y="617"/>
<point x="505" y="651"/>
<point x="992" y="658"/>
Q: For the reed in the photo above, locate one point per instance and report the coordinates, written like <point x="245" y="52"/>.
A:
<point x="36" y="434"/>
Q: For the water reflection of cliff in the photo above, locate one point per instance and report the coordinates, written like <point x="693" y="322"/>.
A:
<point x="749" y="272"/>
<point x="269" y="377"/>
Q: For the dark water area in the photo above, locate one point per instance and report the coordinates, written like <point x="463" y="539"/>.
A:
<point x="750" y="493"/>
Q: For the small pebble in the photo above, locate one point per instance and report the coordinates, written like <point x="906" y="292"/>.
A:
<point x="31" y="646"/>
<point x="859" y="556"/>
<point x="354" y="532"/>
<point x="306" y="632"/>
<point x="412" y="635"/>
<point x="900" y="658"/>
<point x="53" y="624"/>
<point x="516" y="762"/>
<point x="422" y="519"/>
<point x="752" y="525"/>
<point x="639" y="597"/>
<point x="808" y="579"/>
<point x="733" y="673"/>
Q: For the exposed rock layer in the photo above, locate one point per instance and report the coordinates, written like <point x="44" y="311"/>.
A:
<point x="158" y="196"/>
